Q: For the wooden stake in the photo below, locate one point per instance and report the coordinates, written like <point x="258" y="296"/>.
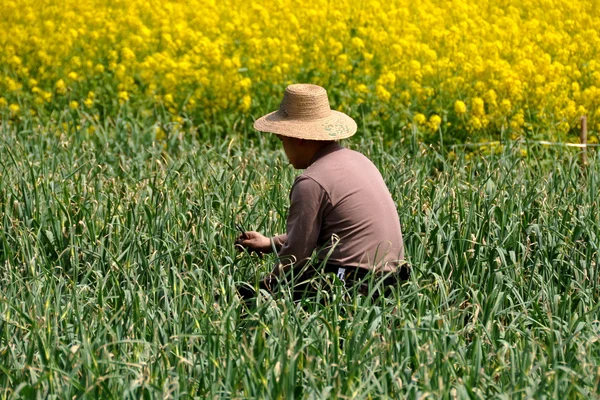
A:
<point x="583" y="140"/>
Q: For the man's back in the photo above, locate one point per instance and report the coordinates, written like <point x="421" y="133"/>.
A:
<point x="345" y="195"/>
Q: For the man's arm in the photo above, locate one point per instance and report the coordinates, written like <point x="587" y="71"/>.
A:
<point x="254" y="241"/>
<point x="258" y="242"/>
<point x="278" y="241"/>
<point x="307" y="203"/>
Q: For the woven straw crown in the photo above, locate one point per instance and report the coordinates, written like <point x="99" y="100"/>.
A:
<point x="305" y="113"/>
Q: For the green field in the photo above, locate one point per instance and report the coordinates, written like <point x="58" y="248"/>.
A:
<point x="117" y="272"/>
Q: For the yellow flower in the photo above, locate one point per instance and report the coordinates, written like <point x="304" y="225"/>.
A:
<point x="171" y="48"/>
<point x="517" y="121"/>
<point x="73" y="105"/>
<point x="382" y="93"/>
<point x="490" y="97"/>
<point x="523" y="152"/>
<point x="460" y="107"/>
<point x="341" y="62"/>
<point x="405" y="96"/>
<point x="357" y="43"/>
<point x="46" y="96"/>
<point x="362" y="88"/>
<point x="420" y="118"/>
<point x="60" y="87"/>
<point x="387" y="79"/>
<point x="12" y="85"/>
<point x="245" y="83"/>
<point x="3" y="102"/>
<point x="564" y="127"/>
<point x="246" y="103"/>
<point x="478" y="106"/>
<point x="14" y="109"/>
<point x="127" y="54"/>
<point x="123" y="97"/>
<point x="475" y="123"/>
<point x="434" y="122"/>
<point x="505" y="106"/>
<point x="160" y="134"/>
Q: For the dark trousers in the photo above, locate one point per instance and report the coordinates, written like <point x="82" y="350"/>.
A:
<point x="307" y="281"/>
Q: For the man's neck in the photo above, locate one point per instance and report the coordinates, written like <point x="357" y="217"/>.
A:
<point x="324" y="148"/>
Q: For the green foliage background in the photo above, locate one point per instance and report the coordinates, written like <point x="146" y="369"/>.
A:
<point x="117" y="271"/>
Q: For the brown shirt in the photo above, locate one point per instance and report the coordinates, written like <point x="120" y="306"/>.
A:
<point x="341" y="207"/>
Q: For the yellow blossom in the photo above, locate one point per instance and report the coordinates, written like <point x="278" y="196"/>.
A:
<point x="357" y="43"/>
<point x="160" y="134"/>
<point x="382" y="93"/>
<point x="522" y="54"/>
<point x="460" y="107"/>
<point x="490" y="97"/>
<point x="60" y="87"/>
<point x="14" y="109"/>
<point x="245" y="83"/>
<point x="523" y="152"/>
<point x="246" y="103"/>
<point x="505" y="106"/>
<point x="477" y="106"/>
<point x="362" y="88"/>
<point x="434" y="122"/>
<point x="517" y="121"/>
<point x="127" y="54"/>
<point x="123" y="97"/>
<point x="475" y="123"/>
<point x="12" y="85"/>
<point x="420" y="118"/>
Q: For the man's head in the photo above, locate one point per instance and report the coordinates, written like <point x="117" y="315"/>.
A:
<point x="305" y="114"/>
<point x="300" y="152"/>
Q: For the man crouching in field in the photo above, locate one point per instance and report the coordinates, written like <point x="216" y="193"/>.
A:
<point x="339" y="207"/>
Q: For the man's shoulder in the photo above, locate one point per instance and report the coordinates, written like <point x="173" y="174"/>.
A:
<point x="330" y="166"/>
<point x="305" y="188"/>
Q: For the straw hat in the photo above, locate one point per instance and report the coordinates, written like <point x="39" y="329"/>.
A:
<point x="305" y="113"/>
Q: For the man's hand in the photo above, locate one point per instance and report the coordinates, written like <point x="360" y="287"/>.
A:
<point x="254" y="241"/>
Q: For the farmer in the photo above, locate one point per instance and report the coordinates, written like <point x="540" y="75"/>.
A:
<point x="340" y="207"/>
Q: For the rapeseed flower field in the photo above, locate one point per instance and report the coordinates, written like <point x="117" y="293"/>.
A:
<point x="467" y="69"/>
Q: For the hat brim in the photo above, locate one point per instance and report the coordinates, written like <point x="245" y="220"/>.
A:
<point x="334" y="127"/>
